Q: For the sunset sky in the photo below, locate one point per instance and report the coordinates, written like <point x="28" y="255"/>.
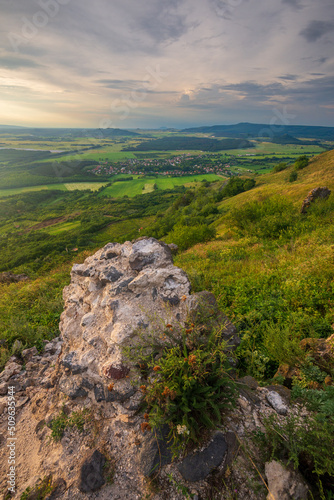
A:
<point x="172" y="63"/>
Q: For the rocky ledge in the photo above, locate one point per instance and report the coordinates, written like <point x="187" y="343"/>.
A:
<point x="79" y="430"/>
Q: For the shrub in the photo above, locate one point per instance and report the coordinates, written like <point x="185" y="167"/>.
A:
<point x="293" y="176"/>
<point x="279" y="167"/>
<point x="190" y="386"/>
<point x="186" y="236"/>
<point x="301" y="162"/>
<point x="306" y="442"/>
<point x="267" y="219"/>
<point x="235" y="186"/>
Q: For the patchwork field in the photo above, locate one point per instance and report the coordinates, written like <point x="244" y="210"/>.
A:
<point x="81" y="186"/>
<point x="141" y="186"/>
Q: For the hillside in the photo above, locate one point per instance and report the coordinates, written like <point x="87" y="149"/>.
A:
<point x="259" y="130"/>
<point x="269" y="266"/>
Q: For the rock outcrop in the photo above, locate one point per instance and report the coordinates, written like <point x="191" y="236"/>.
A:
<point x="319" y="193"/>
<point x="79" y="424"/>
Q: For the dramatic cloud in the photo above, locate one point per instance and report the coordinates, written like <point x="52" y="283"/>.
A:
<point x="317" y="29"/>
<point x="155" y="63"/>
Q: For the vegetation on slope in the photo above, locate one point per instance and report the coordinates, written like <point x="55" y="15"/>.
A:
<point x="270" y="267"/>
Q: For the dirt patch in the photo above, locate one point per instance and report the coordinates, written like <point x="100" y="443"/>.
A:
<point x="51" y="222"/>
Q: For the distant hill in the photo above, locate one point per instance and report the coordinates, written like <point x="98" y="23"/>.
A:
<point x="67" y="132"/>
<point x="181" y="143"/>
<point x="252" y="130"/>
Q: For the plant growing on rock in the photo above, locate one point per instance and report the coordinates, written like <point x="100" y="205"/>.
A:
<point x="188" y="385"/>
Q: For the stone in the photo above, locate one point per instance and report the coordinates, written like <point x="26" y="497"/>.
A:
<point x="91" y="474"/>
<point x="198" y="466"/>
<point x="249" y="381"/>
<point x="285" y="484"/>
<point x="276" y="402"/>
<point x="70" y="361"/>
<point x="3" y="389"/>
<point x="27" y="354"/>
<point x="11" y="369"/>
<point x="155" y="452"/>
<point x="319" y="193"/>
<point x="73" y="388"/>
<point x="110" y="276"/>
<point x="283" y="391"/>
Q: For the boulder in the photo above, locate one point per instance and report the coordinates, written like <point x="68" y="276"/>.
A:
<point x="285" y="484"/>
<point x="198" y="466"/>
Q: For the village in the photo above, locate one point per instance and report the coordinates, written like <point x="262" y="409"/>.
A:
<point x="181" y="165"/>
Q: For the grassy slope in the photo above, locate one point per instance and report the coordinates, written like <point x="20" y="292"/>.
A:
<point x="279" y="289"/>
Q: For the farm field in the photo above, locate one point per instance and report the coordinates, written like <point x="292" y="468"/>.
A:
<point x="139" y="186"/>
<point x="71" y="186"/>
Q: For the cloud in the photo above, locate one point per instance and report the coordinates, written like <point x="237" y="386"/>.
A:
<point x="316" y="29"/>
<point x="288" y="77"/>
<point x="10" y="62"/>
<point x="296" y="4"/>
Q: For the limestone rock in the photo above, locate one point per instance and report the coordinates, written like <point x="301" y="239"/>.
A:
<point x="198" y="466"/>
<point x="27" y="354"/>
<point x="284" y="484"/>
<point x="112" y="296"/>
<point x="276" y="401"/>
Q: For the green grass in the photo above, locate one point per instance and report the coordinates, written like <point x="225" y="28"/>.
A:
<point x="59" y="228"/>
<point x="137" y="186"/>
<point x="71" y="186"/>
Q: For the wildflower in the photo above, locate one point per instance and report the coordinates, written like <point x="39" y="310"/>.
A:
<point x="192" y="359"/>
<point x="169" y="326"/>
<point x="146" y="416"/>
<point x="183" y="298"/>
<point x="143" y="388"/>
<point x="182" y="429"/>
<point x="145" y="427"/>
<point x="156" y="368"/>
<point x="110" y="387"/>
<point x="188" y="330"/>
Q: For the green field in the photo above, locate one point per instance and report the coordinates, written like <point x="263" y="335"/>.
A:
<point x="71" y="186"/>
<point x="140" y="186"/>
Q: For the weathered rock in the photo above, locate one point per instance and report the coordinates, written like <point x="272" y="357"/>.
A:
<point x="155" y="452"/>
<point x="10" y="370"/>
<point x="275" y="400"/>
<point x="70" y="361"/>
<point x="3" y="388"/>
<point x="27" y="354"/>
<point x="73" y="387"/>
<point x="319" y="193"/>
<point x="285" y="484"/>
<point x="198" y="466"/>
<point x="91" y="476"/>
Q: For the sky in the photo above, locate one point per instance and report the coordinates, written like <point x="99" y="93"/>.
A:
<point x="166" y="63"/>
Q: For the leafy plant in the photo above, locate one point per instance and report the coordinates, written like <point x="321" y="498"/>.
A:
<point x="42" y="490"/>
<point x="189" y="385"/>
<point x="63" y="421"/>
<point x="306" y="442"/>
<point x="301" y="162"/>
